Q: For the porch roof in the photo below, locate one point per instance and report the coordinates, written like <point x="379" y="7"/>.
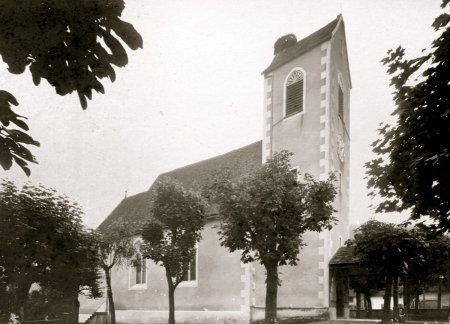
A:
<point x="345" y="255"/>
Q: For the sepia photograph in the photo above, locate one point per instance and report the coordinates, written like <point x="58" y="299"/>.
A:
<point x="224" y="161"/>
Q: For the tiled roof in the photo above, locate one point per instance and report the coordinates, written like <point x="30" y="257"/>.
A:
<point x="303" y="45"/>
<point x="131" y="209"/>
<point x="238" y="162"/>
<point x="344" y="255"/>
<point x="136" y="209"/>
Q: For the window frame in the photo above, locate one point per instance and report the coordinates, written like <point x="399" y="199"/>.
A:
<point x="132" y="273"/>
<point x="140" y="270"/>
<point x="191" y="283"/>
<point x="285" y="116"/>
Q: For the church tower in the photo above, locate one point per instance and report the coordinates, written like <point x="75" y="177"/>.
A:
<point x="306" y="111"/>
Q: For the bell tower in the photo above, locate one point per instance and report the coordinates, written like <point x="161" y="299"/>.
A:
<point x="306" y="111"/>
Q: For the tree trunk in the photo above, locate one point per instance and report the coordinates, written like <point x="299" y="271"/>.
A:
<point x="406" y="296"/>
<point x="75" y="310"/>
<point x="416" y="301"/>
<point x="22" y="312"/>
<point x="109" y="294"/>
<point x="171" y="289"/>
<point x="367" y="304"/>
<point x="368" y="301"/>
<point x="406" y="299"/>
<point x="395" y="293"/>
<point x="172" y="305"/>
<point x="439" y="297"/>
<point x="358" y="304"/>
<point x="271" y="291"/>
<point x="387" y="299"/>
<point x="20" y="297"/>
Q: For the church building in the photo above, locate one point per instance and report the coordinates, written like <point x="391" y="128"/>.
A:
<point x="306" y="111"/>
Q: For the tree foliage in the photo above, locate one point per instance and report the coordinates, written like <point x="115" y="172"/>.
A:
<point x="390" y="254"/>
<point x="12" y="140"/>
<point x="396" y="254"/>
<point x="434" y="268"/>
<point x="411" y="170"/>
<point x="73" y="44"/>
<point x="176" y="221"/>
<point x="42" y="241"/>
<point x="385" y="249"/>
<point x="265" y="213"/>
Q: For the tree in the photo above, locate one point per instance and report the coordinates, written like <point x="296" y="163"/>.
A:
<point x="390" y="257"/>
<point x="46" y="231"/>
<point x="171" y="235"/>
<point x="433" y="270"/>
<point x="73" y="44"/>
<point x="265" y="213"/>
<point x="411" y="170"/>
<point x="116" y="248"/>
<point x="76" y="269"/>
<point x="368" y="283"/>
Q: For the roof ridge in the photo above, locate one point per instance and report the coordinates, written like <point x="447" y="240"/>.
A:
<point x="305" y="44"/>
<point x="136" y="208"/>
<point x="209" y="159"/>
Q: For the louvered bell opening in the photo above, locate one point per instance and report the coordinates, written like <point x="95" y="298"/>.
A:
<point x="341" y="104"/>
<point x="294" y="98"/>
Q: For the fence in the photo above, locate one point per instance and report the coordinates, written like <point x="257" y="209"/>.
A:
<point x="413" y="314"/>
<point x="52" y="321"/>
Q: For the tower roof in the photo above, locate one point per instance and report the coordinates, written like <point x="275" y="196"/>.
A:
<point x="302" y="46"/>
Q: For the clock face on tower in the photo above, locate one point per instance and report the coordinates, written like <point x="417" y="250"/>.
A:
<point x="340" y="148"/>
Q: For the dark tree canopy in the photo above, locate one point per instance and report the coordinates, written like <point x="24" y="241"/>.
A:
<point x="42" y="240"/>
<point x="12" y="140"/>
<point x="412" y="168"/>
<point x="70" y="43"/>
<point x="393" y="253"/>
<point x="73" y="44"/>
<point x="387" y="251"/>
<point x="387" y="248"/>
<point x="265" y="213"/>
<point x="434" y="266"/>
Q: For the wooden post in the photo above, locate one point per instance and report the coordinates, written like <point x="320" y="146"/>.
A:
<point x="439" y="300"/>
<point x="358" y="304"/>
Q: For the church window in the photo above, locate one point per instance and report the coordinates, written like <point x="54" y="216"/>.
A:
<point x="294" y="92"/>
<point x="138" y="270"/>
<point x="190" y="274"/>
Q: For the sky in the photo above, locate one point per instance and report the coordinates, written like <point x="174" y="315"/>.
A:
<point x="195" y="91"/>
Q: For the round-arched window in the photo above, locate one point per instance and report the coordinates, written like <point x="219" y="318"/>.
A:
<point x="294" y="92"/>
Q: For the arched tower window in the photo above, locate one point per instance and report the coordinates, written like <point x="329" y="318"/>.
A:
<point x="294" y="92"/>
